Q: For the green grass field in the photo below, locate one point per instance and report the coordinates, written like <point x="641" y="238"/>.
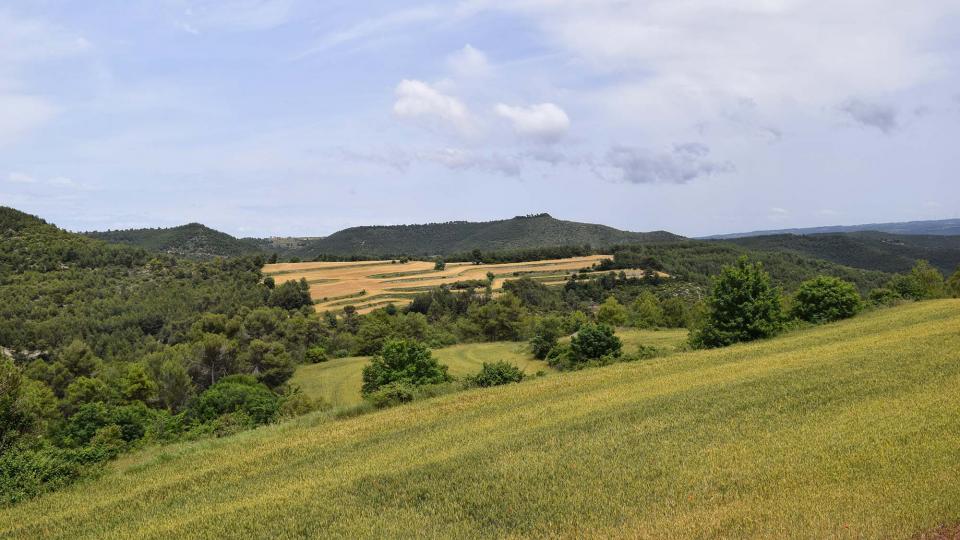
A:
<point x="849" y="430"/>
<point x="338" y="381"/>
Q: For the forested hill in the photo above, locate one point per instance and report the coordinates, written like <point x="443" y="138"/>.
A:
<point x="192" y="240"/>
<point x="523" y="232"/>
<point x="870" y="250"/>
<point x="940" y="227"/>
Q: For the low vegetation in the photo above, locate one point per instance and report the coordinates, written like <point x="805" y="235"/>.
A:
<point x="823" y="432"/>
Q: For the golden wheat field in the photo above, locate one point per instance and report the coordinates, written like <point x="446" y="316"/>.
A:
<point x="848" y="430"/>
<point x="371" y="284"/>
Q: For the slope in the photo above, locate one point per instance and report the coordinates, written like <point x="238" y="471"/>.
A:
<point x="869" y="250"/>
<point x="845" y="430"/>
<point x="191" y="240"/>
<point x="522" y="232"/>
<point x="949" y="227"/>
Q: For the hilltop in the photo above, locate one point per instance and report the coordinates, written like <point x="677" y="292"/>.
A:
<point x="191" y="240"/>
<point x="940" y="227"/>
<point x="522" y="232"/>
<point x="821" y="433"/>
<point x="868" y="249"/>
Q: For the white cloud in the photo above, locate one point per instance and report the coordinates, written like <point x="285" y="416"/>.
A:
<point x="544" y="122"/>
<point x="469" y="62"/>
<point x="875" y="115"/>
<point x="685" y="163"/>
<point x="418" y="100"/>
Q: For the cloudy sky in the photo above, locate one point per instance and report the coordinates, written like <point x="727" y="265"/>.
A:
<point x="286" y="117"/>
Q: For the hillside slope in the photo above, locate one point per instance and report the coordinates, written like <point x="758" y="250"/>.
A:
<point x="869" y="250"/>
<point x="191" y="240"/>
<point x="949" y="227"/>
<point x="537" y="231"/>
<point x="845" y="430"/>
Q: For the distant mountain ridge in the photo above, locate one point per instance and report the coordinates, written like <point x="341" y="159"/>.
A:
<point x="940" y="227"/>
<point x="864" y="249"/>
<point x="190" y="240"/>
<point x="521" y="232"/>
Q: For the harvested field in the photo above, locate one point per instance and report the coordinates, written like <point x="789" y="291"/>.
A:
<point x="372" y="284"/>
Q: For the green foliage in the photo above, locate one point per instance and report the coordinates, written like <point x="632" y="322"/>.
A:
<point x="953" y="284"/>
<point x="545" y="336"/>
<point x="594" y="341"/>
<point x="236" y="394"/>
<point x="883" y="296"/>
<point x="923" y="282"/>
<point x="315" y="355"/>
<point x="190" y="240"/>
<point x="502" y="319"/>
<point x="402" y="361"/>
<point x="825" y="299"/>
<point x="291" y="295"/>
<point x="392" y="394"/>
<point x="439" y="265"/>
<point x="496" y="374"/>
<point x="646" y="312"/>
<point x="612" y="313"/>
<point x="26" y="472"/>
<point x="743" y="306"/>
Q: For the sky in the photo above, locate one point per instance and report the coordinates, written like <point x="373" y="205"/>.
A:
<point x="300" y="118"/>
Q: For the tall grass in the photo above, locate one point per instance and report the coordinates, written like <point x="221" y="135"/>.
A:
<point x="850" y="430"/>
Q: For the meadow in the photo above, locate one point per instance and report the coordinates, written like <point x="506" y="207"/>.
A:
<point x="371" y="284"/>
<point x="846" y="430"/>
<point x="338" y="381"/>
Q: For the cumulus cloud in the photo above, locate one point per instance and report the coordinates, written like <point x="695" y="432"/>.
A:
<point x="545" y="122"/>
<point x="874" y="115"/>
<point x="469" y="62"/>
<point x="418" y="100"/>
<point x="685" y="163"/>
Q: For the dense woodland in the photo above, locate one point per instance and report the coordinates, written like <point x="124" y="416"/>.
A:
<point x="111" y="347"/>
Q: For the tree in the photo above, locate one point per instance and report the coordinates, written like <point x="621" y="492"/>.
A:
<point x="953" y="284"/>
<point x="674" y="312"/>
<point x="291" y="295"/>
<point x="402" y="361"/>
<point x="477" y="256"/>
<point x="545" y="336"/>
<point x="237" y="393"/>
<point x="12" y="420"/>
<point x="743" y="306"/>
<point x="930" y="280"/>
<point x="826" y="299"/>
<point x="215" y="356"/>
<point x="612" y="312"/>
<point x="595" y="341"/>
<point x="645" y="312"/>
<point x="272" y="259"/>
<point x="439" y="264"/>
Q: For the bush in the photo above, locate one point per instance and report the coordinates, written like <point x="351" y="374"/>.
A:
<point x="882" y="296"/>
<point x="315" y="355"/>
<point x="27" y="472"/>
<point x="393" y="393"/>
<point x="647" y="313"/>
<point x="236" y="393"/>
<point x="826" y="299"/>
<point x="403" y="361"/>
<point x="496" y="374"/>
<point x="953" y="284"/>
<point x="593" y="342"/>
<point x="545" y="336"/>
<point x="743" y="306"/>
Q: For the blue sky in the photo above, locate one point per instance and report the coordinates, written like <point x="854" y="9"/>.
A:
<point x="286" y="117"/>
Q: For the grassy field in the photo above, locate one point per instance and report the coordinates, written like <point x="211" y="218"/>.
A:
<point x="849" y="430"/>
<point x="338" y="381"/>
<point x="336" y="284"/>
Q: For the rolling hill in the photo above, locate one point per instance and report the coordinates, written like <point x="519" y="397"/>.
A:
<point x="847" y="430"/>
<point x="191" y="240"/>
<point x="948" y="227"/>
<point x="869" y="249"/>
<point x="522" y="232"/>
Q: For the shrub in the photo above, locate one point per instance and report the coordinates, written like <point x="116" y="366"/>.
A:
<point x="953" y="284"/>
<point x="545" y="336"/>
<point x="496" y="374"/>
<point x="315" y="355"/>
<point x="646" y="311"/>
<point x="236" y="393"/>
<point x="826" y="299"/>
<point x="882" y="296"/>
<point x="393" y="393"/>
<point x="403" y="361"/>
<point x="27" y="472"/>
<point x="593" y="342"/>
<point x="743" y="306"/>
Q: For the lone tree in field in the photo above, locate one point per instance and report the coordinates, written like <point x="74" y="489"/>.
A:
<point x="595" y="341"/>
<point x="403" y="361"/>
<point x="440" y="264"/>
<point x="826" y="299"/>
<point x="743" y="306"/>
